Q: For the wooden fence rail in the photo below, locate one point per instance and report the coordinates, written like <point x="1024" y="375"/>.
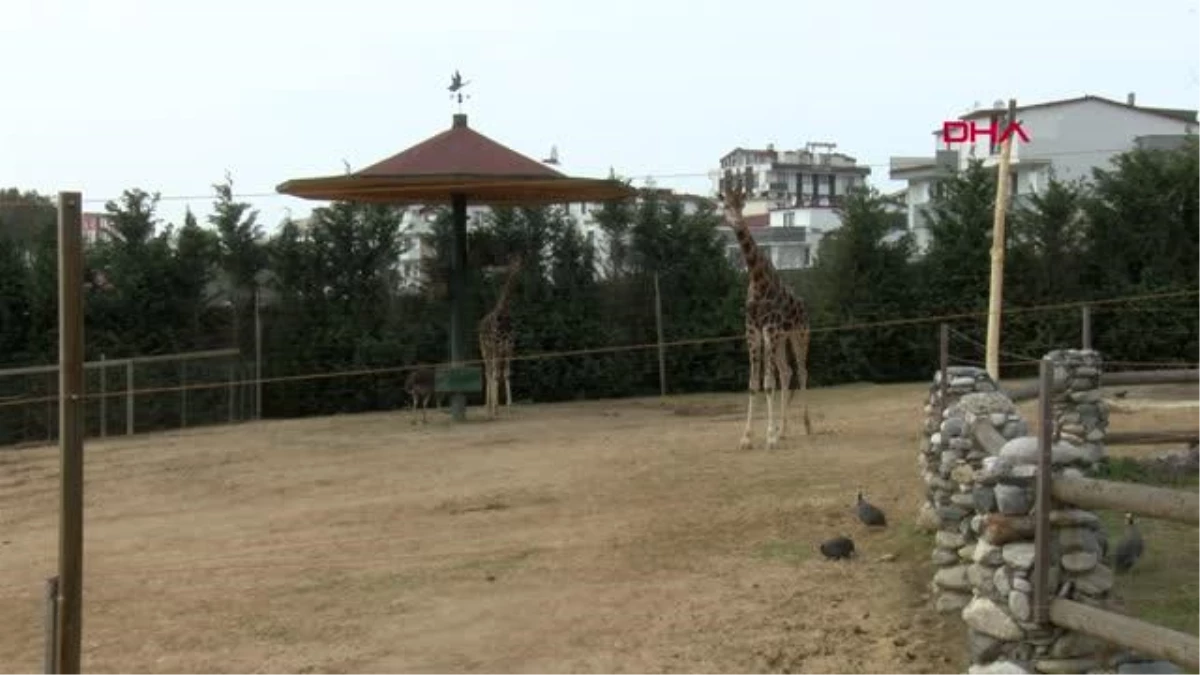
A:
<point x="1163" y="643"/>
<point x="1144" y="500"/>
<point x="1129" y="378"/>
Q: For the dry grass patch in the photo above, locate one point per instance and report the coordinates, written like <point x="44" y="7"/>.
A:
<point x="613" y="536"/>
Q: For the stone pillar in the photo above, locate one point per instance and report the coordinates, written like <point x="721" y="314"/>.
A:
<point x="963" y="380"/>
<point x="1080" y="414"/>
<point x="955" y="498"/>
<point x="1001" y="635"/>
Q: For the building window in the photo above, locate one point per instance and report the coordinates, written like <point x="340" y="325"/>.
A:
<point x="1012" y="185"/>
<point x="789" y="219"/>
<point x="805" y="258"/>
<point x="802" y="235"/>
<point x="832" y="186"/>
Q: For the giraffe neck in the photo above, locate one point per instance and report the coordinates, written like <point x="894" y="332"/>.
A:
<point x="506" y="291"/>
<point x="755" y="260"/>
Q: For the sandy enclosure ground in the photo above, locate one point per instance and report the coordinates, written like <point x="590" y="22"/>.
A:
<point x="622" y="536"/>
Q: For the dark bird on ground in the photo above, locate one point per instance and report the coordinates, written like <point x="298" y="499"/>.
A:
<point x="870" y="514"/>
<point x="1121" y="394"/>
<point x="1130" y="548"/>
<point x="838" y="548"/>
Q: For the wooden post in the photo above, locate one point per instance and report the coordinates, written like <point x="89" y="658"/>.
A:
<point x="662" y="347"/>
<point x="129" y="401"/>
<point x="1086" y="312"/>
<point x="183" y="394"/>
<point x="50" y="657"/>
<point x="995" y="297"/>
<point x="943" y="365"/>
<point x="70" y="415"/>
<point x="1044" y="492"/>
<point x="103" y="398"/>
<point x="257" y="354"/>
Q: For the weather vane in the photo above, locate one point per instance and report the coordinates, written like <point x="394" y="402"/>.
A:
<point x="456" y="87"/>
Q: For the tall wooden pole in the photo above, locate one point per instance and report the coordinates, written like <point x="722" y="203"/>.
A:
<point x="995" y="297"/>
<point x="70" y="415"/>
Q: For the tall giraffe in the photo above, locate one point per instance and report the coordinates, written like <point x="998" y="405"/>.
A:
<point x="775" y="318"/>
<point x="496" y="342"/>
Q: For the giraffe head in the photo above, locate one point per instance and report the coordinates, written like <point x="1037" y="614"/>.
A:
<point x="733" y="195"/>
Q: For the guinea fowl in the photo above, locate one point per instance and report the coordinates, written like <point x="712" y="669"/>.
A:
<point x="838" y="548"/>
<point x="870" y="514"/>
<point x="1130" y="548"/>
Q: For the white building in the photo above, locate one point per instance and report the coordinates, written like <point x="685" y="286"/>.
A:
<point x="815" y="176"/>
<point x="792" y="199"/>
<point x="1068" y="137"/>
<point x="95" y="226"/>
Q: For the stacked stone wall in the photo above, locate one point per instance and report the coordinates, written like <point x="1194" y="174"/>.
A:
<point x="979" y="503"/>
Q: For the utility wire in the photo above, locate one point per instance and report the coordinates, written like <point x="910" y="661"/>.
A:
<point x="271" y="194"/>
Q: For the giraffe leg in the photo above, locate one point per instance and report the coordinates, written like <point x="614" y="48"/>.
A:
<point x="754" y="346"/>
<point x="507" y="382"/>
<point x="424" y="409"/>
<point x="800" y="347"/>
<point x="784" y="367"/>
<point x="413" y="417"/>
<point x="769" y="385"/>
<point x="494" y="388"/>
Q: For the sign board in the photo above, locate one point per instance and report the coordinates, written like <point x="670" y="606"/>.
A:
<point x="460" y="380"/>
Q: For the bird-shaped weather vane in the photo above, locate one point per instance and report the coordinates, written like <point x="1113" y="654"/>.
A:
<point x="456" y="87"/>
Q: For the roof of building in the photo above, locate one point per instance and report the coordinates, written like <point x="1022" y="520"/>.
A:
<point x="1180" y="114"/>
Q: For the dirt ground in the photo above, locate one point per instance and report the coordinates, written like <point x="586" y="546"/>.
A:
<point x="601" y="537"/>
<point x="610" y="536"/>
<point x="617" y="536"/>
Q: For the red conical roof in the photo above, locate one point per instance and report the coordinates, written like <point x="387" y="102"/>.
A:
<point x="463" y="161"/>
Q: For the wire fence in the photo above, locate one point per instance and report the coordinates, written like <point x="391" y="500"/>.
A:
<point x="219" y="386"/>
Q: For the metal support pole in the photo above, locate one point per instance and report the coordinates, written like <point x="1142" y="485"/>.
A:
<point x="662" y="348"/>
<point x="231" y="390"/>
<point x="70" y="415"/>
<point x="257" y="354"/>
<point x="183" y="388"/>
<point x="458" y="297"/>
<point x="103" y="398"/>
<point x="1042" y="531"/>
<point x="1086" y="312"/>
<point x="943" y="366"/>
<point x="129" y="400"/>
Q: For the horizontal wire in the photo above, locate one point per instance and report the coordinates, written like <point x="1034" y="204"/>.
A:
<point x="546" y="355"/>
<point x="632" y="176"/>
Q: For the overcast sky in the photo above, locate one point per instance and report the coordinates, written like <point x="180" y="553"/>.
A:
<point x="104" y="95"/>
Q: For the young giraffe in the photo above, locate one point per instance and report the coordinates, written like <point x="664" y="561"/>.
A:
<point x="496" y="343"/>
<point x="775" y="318"/>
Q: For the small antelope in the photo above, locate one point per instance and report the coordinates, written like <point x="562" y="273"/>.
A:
<point x="419" y="385"/>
